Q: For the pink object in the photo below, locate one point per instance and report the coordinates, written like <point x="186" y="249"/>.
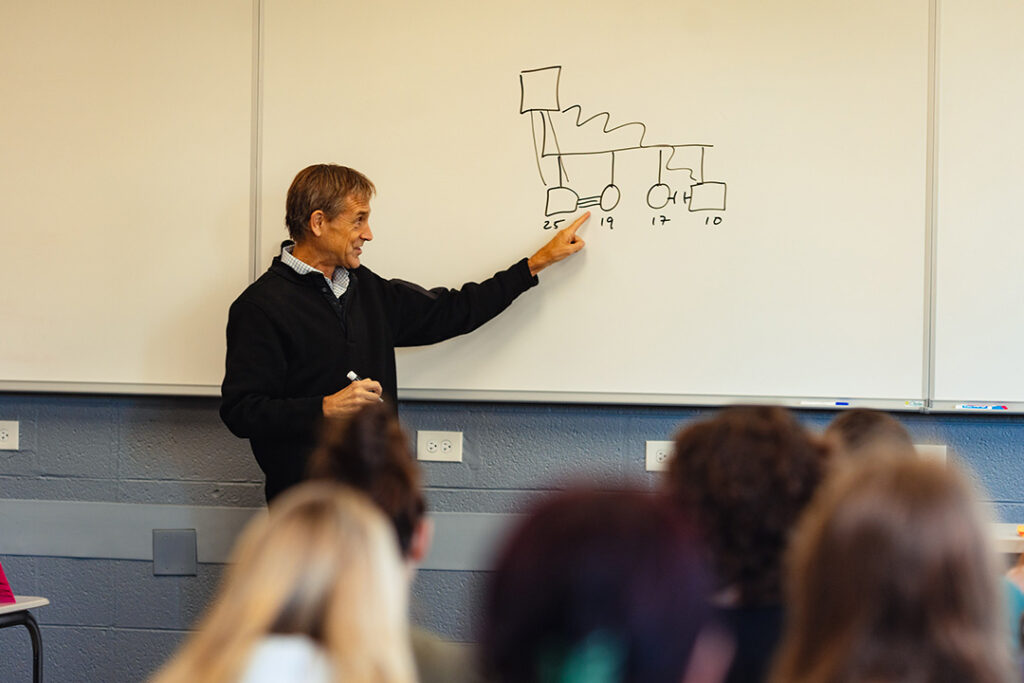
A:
<point x="6" y="594"/>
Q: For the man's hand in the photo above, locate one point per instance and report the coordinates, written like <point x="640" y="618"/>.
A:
<point x="564" y="243"/>
<point x="352" y="398"/>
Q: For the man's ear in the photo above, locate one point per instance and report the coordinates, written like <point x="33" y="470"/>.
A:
<point x="316" y="222"/>
<point x="422" y="537"/>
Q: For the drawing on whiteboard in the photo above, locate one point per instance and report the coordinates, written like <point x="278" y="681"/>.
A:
<point x="559" y="133"/>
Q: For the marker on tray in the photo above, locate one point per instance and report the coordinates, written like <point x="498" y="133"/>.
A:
<point x="356" y="378"/>
<point x="980" y="406"/>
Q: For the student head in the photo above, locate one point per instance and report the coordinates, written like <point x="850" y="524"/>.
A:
<point x="891" y="579"/>
<point x="601" y="587"/>
<point x="745" y="476"/>
<point x="860" y="431"/>
<point x="369" y="452"/>
<point x="322" y="564"/>
<point x="326" y="188"/>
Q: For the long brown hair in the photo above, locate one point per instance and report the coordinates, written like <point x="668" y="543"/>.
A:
<point x="322" y="563"/>
<point x="892" y="578"/>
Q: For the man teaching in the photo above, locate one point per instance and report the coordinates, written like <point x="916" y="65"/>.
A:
<point x="317" y="314"/>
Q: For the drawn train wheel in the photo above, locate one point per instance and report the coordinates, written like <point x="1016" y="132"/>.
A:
<point x="658" y="196"/>
<point x="610" y="196"/>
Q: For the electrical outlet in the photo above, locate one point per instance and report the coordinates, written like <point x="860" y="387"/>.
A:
<point x="936" y="452"/>
<point x="8" y="435"/>
<point x="658" y="454"/>
<point x="439" y="446"/>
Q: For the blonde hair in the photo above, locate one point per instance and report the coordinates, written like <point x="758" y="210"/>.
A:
<point x="323" y="563"/>
<point x="892" y="578"/>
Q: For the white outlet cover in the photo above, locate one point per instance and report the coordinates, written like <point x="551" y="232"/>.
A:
<point x="9" y="435"/>
<point x="439" y="446"/>
<point x="929" y="451"/>
<point x="658" y="455"/>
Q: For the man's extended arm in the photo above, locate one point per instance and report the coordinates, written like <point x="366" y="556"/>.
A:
<point x="421" y="316"/>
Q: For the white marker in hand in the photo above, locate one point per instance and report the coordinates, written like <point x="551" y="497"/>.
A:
<point x="353" y="377"/>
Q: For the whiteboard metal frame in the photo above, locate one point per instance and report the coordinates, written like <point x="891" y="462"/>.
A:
<point x="639" y="398"/>
<point x="909" y="405"/>
<point x="256" y="160"/>
<point x="500" y="396"/>
<point x="932" y="201"/>
<point x="947" y="406"/>
<point x="109" y="388"/>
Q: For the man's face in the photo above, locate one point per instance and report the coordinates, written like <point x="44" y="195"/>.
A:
<point x="343" y="237"/>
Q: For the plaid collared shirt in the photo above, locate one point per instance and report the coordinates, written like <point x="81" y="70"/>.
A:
<point x="339" y="283"/>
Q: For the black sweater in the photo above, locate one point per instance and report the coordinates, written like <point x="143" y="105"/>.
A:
<point x="290" y="342"/>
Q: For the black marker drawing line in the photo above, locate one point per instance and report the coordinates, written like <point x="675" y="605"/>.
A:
<point x="607" y="120"/>
<point x="605" y="129"/>
<point x="543" y="135"/>
<point x="544" y="99"/>
<point x="696" y="179"/>
<point x="617" y="149"/>
<point x="522" y="87"/>
<point x="725" y="192"/>
<point x="536" y="152"/>
<point x="554" y="136"/>
<point x="667" y="164"/>
<point x="544" y="125"/>
<point x="543" y="142"/>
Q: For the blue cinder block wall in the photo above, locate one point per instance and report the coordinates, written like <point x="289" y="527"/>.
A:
<point x="112" y="620"/>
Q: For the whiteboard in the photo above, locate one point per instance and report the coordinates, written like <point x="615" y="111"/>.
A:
<point x="979" y="292"/>
<point x="811" y="115"/>
<point x="125" y="137"/>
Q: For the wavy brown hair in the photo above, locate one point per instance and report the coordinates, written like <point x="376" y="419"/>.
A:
<point x="745" y="476"/>
<point x="892" y="579"/>
<point x="369" y="451"/>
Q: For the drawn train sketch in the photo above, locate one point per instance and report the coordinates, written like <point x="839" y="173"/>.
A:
<point x="561" y="133"/>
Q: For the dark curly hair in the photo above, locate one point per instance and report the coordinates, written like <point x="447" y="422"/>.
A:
<point x="745" y="476"/>
<point x="369" y="452"/>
